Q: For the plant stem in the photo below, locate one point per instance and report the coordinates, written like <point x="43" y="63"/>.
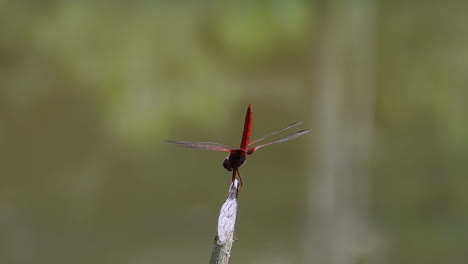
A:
<point x="226" y="222"/>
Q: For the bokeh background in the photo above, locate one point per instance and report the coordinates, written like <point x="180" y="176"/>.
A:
<point x="89" y="90"/>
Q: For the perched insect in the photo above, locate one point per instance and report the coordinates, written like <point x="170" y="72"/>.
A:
<point x="237" y="156"/>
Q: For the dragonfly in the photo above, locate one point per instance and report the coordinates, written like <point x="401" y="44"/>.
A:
<point x="238" y="156"/>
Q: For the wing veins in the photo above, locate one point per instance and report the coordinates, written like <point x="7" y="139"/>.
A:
<point x="202" y="145"/>
<point x="283" y="139"/>
<point x="274" y="133"/>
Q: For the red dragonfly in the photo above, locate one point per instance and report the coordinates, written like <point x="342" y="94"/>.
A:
<point x="237" y="156"/>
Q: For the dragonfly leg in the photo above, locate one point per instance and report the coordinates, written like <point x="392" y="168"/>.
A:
<point x="233" y="175"/>
<point x="240" y="178"/>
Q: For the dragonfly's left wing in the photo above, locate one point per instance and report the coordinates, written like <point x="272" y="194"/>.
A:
<point x="283" y="139"/>
<point x="202" y="145"/>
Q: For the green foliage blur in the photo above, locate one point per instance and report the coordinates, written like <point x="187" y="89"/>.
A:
<point x="90" y="89"/>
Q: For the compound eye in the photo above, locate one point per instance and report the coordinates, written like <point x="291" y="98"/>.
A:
<point x="227" y="164"/>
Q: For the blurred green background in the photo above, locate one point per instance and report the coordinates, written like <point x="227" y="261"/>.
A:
<point x="89" y="90"/>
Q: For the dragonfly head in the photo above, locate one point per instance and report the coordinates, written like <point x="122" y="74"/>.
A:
<point x="227" y="164"/>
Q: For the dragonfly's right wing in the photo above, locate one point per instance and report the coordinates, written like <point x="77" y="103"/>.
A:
<point x="202" y="145"/>
<point x="274" y="133"/>
<point x="283" y="139"/>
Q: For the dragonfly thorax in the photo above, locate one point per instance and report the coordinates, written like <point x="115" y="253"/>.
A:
<point x="235" y="159"/>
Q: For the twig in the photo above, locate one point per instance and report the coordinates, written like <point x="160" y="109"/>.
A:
<point x="225" y="234"/>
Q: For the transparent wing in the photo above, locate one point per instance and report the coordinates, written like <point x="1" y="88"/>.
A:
<point x="283" y="139"/>
<point x="202" y="145"/>
<point x="274" y="133"/>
